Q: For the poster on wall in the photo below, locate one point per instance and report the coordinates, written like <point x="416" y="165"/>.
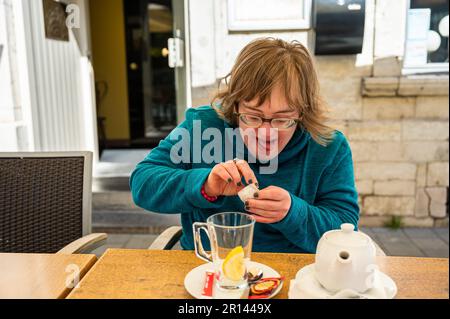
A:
<point x="55" y="20"/>
<point x="417" y="37"/>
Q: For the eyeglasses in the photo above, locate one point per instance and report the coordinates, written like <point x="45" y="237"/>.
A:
<point x="255" y="121"/>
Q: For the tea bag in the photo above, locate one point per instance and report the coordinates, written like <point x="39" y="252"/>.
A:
<point x="248" y="192"/>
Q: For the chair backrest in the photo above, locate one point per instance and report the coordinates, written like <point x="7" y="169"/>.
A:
<point x="45" y="200"/>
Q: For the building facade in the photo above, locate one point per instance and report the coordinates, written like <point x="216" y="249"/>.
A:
<point x="396" y="117"/>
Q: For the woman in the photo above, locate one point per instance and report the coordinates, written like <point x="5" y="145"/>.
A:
<point x="273" y="92"/>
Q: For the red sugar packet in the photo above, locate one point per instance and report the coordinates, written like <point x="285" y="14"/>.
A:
<point x="209" y="283"/>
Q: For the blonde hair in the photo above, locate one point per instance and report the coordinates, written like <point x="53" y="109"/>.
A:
<point x="266" y="62"/>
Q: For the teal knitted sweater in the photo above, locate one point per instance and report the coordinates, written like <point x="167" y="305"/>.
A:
<point x="319" y="179"/>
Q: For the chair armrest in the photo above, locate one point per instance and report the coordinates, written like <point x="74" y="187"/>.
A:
<point x="84" y="244"/>
<point x="167" y="239"/>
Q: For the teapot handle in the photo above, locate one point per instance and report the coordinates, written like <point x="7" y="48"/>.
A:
<point x="199" y="250"/>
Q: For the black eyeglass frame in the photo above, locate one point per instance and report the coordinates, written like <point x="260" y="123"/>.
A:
<point x="264" y="120"/>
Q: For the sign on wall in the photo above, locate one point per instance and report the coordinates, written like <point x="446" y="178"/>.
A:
<point x="260" y="15"/>
<point x="55" y="21"/>
<point x="417" y="36"/>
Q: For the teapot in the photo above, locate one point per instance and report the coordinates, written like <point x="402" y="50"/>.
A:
<point x="345" y="259"/>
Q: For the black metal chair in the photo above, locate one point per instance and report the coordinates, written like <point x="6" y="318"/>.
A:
<point x="46" y="203"/>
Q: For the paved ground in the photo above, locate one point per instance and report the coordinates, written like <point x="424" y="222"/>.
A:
<point x="420" y="242"/>
<point x="417" y="242"/>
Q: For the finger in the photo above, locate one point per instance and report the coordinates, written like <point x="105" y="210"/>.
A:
<point x="263" y="213"/>
<point x="263" y="204"/>
<point x="246" y="171"/>
<point x="223" y="174"/>
<point x="271" y="193"/>
<point x="263" y="220"/>
<point x="234" y="172"/>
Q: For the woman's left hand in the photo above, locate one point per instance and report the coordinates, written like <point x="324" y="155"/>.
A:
<point x="270" y="205"/>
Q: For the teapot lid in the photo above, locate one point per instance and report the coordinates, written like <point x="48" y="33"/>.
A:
<point x="346" y="236"/>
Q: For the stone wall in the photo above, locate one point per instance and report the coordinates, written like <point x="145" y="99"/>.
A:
<point x="399" y="141"/>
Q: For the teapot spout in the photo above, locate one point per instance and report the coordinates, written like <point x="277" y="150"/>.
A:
<point x="344" y="258"/>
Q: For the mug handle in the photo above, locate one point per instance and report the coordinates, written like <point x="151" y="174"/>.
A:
<point x="199" y="250"/>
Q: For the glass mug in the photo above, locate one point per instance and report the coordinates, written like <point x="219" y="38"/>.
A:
<point x="226" y="232"/>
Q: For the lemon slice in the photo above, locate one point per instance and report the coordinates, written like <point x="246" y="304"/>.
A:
<point x="233" y="266"/>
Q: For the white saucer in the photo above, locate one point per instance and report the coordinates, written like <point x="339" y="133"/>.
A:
<point x="306" y="286"/>
<point x="195" y="279"/>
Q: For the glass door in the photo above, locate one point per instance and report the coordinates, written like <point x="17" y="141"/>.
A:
<point x="151" y="82"/>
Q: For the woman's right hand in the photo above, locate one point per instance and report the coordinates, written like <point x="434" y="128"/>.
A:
<point x="225" y="178"/>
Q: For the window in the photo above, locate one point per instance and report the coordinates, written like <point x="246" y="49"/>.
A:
<point x="257" y="15"/>
<point x="426" y="49"/>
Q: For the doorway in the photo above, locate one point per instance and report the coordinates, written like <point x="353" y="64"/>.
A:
<point x="151" y="82"/>
<point x="140" y="98"/>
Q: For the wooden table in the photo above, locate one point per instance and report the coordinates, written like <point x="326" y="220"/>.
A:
<point x="160" y="274"/>
<point x="40" y="276"/>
